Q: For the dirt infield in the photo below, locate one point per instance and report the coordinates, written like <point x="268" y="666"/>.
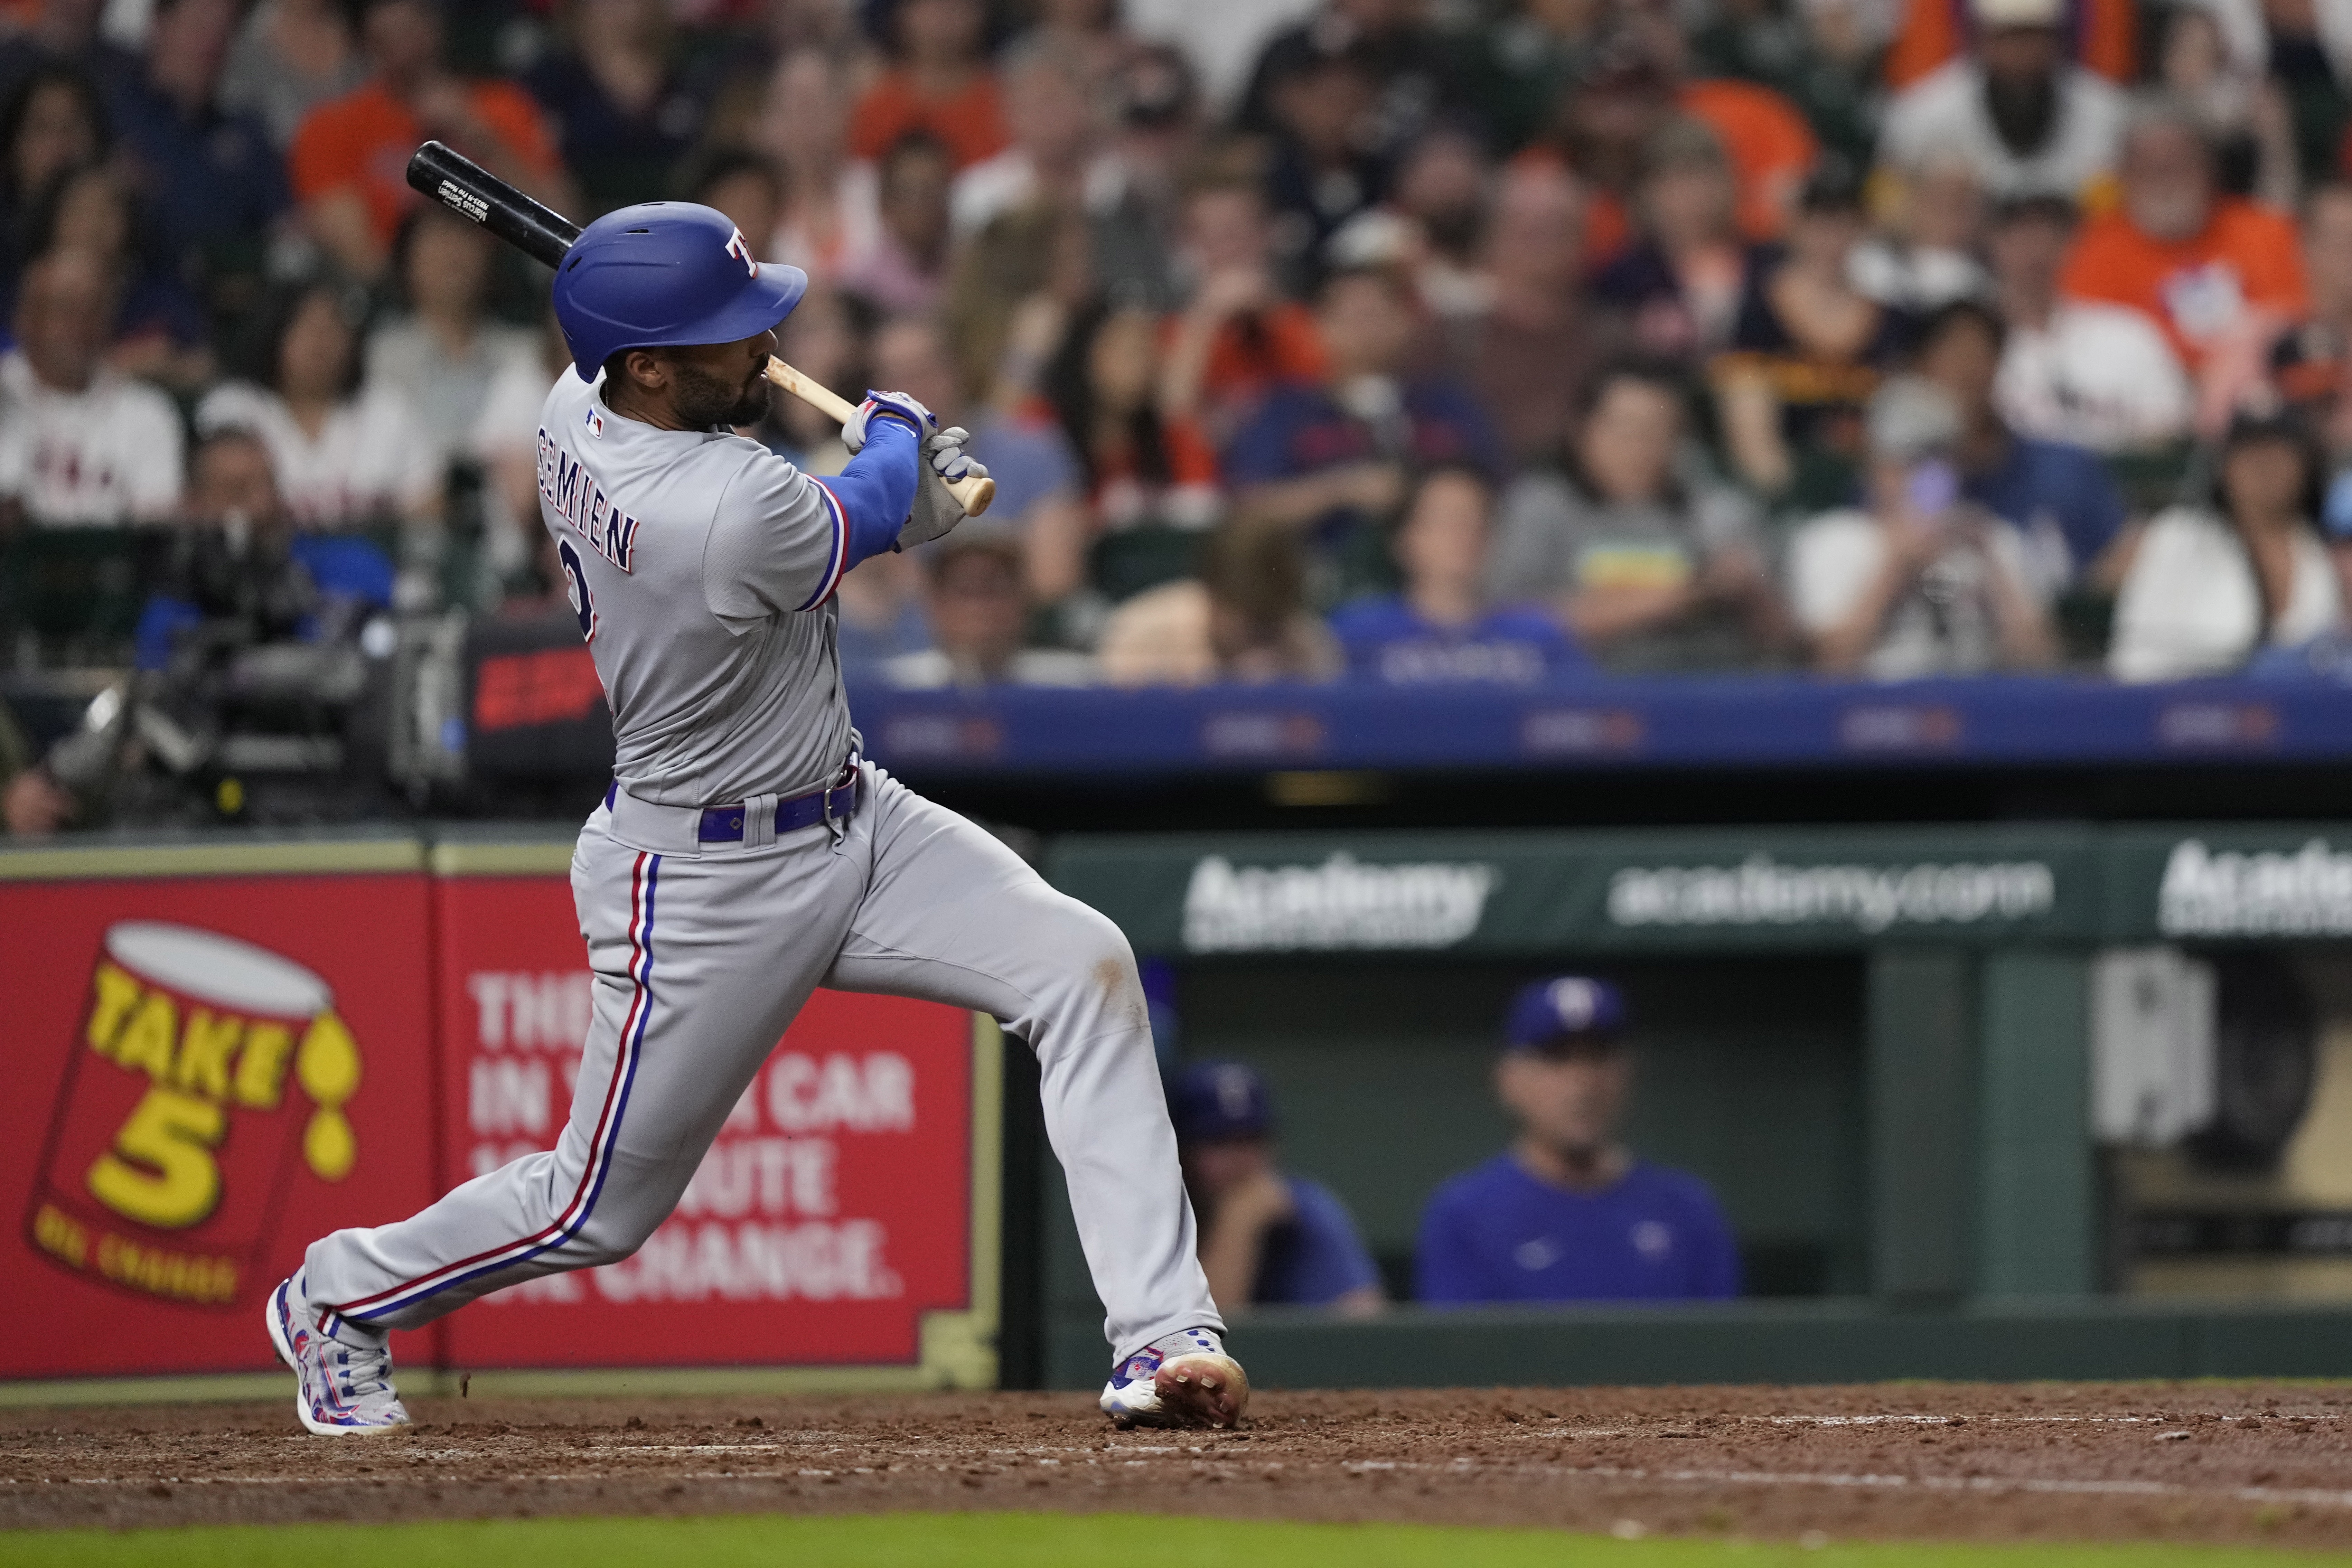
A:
<point x="2182" y="1461"/>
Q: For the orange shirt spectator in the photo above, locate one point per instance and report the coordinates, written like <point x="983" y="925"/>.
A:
<point x="1771" y="148"/>
<point x="969" y="121"/>
<point x="362" y="140"/>
<point x="2198" y="289"/>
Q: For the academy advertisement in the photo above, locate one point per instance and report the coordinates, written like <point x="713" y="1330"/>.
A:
<point x="832" y="1213"/>
<point x="208" y="1072"/>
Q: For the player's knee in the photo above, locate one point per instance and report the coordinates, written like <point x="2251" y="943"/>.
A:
<point x="1088" y="937"/>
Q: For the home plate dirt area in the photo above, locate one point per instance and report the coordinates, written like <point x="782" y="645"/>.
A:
<point x="2241" y="1462"/>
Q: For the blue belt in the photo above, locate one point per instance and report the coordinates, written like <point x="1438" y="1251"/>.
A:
<point x="724" y="824"/>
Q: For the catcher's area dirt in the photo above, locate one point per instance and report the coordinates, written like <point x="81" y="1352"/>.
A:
<point x="2186" y="1461"/>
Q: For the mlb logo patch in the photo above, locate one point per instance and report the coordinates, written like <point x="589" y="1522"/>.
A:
<point x="595" y="422"/>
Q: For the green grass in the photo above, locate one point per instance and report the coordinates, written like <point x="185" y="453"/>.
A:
<point x="1026" y="1540"/>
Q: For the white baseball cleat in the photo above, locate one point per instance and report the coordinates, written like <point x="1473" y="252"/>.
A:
<point x="1180" y="1380"/>
<point x="340" y="1390"/>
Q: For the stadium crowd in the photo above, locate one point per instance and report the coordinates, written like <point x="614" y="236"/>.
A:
<point x="1409" y="340"/>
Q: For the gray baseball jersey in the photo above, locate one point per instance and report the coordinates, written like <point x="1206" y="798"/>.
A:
<point x="702" y="568"/>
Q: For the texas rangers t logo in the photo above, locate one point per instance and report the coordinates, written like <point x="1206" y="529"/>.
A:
<point x="741" y="252"/>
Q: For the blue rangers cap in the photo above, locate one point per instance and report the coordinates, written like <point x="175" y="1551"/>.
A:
<point x="1211" y="1102"/>
<point x="1569" y="1009"/>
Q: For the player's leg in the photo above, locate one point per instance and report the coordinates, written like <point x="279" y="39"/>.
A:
<point x="952" y="915"/>
<point x="700" y="964"/>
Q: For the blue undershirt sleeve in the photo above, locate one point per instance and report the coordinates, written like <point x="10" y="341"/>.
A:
<point x="877" y="489"/>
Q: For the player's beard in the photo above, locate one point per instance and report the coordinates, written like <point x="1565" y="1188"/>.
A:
<point x="704" y="401"/>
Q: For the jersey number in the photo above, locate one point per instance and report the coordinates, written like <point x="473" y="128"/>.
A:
<point x="575" y="587"/>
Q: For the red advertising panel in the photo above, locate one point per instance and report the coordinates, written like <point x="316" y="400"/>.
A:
<point x="209" y="1071"/>
<point x="835" y="1211"/>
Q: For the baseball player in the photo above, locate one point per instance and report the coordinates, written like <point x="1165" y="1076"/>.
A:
<point x="746" y="853"/>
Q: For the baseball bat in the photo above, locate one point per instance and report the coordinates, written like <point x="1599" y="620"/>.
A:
<point x="539" y="232"/>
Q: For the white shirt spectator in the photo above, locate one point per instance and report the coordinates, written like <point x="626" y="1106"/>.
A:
<point x="449" y="397"/>
<point x="2095" y="376"/>
<point x="369" y="460"/>
<point x="106" y="455"/>
<point x="1944" y="114"/>
<point x="1944" y="624"/>
<point x="2189" y="605"/>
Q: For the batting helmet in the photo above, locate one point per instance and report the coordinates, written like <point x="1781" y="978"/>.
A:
<point x="664" y="274"/>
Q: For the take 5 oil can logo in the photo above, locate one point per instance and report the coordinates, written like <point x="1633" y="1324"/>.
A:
<point x="207" y="1073"/>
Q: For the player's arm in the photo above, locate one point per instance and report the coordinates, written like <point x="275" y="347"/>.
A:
<point x="914" y="494"/>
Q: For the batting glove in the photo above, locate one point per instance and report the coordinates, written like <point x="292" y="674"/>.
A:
<point x="885" y="405"/>
<point x="936" y="511"/>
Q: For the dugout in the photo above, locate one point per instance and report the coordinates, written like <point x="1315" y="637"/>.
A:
<point x="1979" y="1100"/>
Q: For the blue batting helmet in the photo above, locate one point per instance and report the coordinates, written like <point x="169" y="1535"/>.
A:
<point x="665" y="274"/>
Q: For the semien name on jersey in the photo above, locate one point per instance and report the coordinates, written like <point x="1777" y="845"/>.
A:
<point x="580" y="501"/>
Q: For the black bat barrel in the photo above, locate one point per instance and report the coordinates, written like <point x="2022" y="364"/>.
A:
<point x="470" y="191"/>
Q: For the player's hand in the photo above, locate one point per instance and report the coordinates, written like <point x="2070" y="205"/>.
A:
<point x="891" y="406"/>
<point x="936" y="510"/>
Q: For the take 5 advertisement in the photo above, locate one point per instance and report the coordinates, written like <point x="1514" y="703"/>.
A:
<point x="215" y="1067"/>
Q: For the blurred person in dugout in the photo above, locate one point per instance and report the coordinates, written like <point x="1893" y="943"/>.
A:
<point x="979" y="614"/>
<point x="1654" y="567"/>
<point x="2210" y="586"/>
<point x="80" y="443"/>
<point x="1918" y="581"/>
<point x="1268" y="1238"/>
<point x="1567" y="1212"/>
<point x="1242" y="617"/>
<point x="1442" y="627"/>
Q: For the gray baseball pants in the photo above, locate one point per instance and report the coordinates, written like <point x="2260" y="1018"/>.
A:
<point x="700" y="960"/>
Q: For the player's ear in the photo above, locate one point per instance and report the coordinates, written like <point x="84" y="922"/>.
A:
<point x="647" y="370"/>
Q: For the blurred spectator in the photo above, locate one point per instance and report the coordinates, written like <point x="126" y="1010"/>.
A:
<point x="1433" y="224"/>
<point x="505" y="440"/>
<point x="54" y="121"/>
<point x="1141" y="468"/>
<point x="343" y="457"/>
<point x="1334" y="456"/>
<point x="205" y="177"/>
<point x="159" y="331"/>
<point x="348" y="156"/>
<point x="2244" y="116"/>
<point x="1651" y="573"/>
<point x="1532" y="350"/>
<point x="831" y="206"/>
<point x="939" y="81"/>
<point x="1088" y="31"/>
<point x="1820" y="54"/>
<point x="1567" y="1212"/>
<point x="903" y="270"/>
<point x="1925" y="253"/>
<point x="62" y="33"/>
<point x="1236" y="337"/>
<point x="1221" y="39"/>
<point x="1322" y="98"/>
<point x="1039" y="490"/>
<point x="2102" y="35"/>
<point x="623" y="113"/>
<point x="2058" y="498"/>
<point x="2210" y="586"/>
<point x="1268" y="1238"/>
<point x="1156" y="105"/>
<point x="1679" y="285"/>
<point x="243" y="560"/>
<point x="1442" y="627"/>
<point x="2084" y="372"/>
<point x="1922" y="583"/>
<point x="1516" y="71"/>
<point x="979" y="617"/>
<point x="1807" y="349"/>
<point x="2029" y="120"/>
<point x="2309" y="364"/>
<point x="32" y="804"/>
<point x="290" y="57"/>
<point x="2205" y="266"/>
<point x="746" y="187"/>
<point x="440" y="357"/>
<point x="79" y="444"/>
<point x="1243" y="618"/>
<point x="1633" y="87"/>
<point x="1401" y="59"/>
